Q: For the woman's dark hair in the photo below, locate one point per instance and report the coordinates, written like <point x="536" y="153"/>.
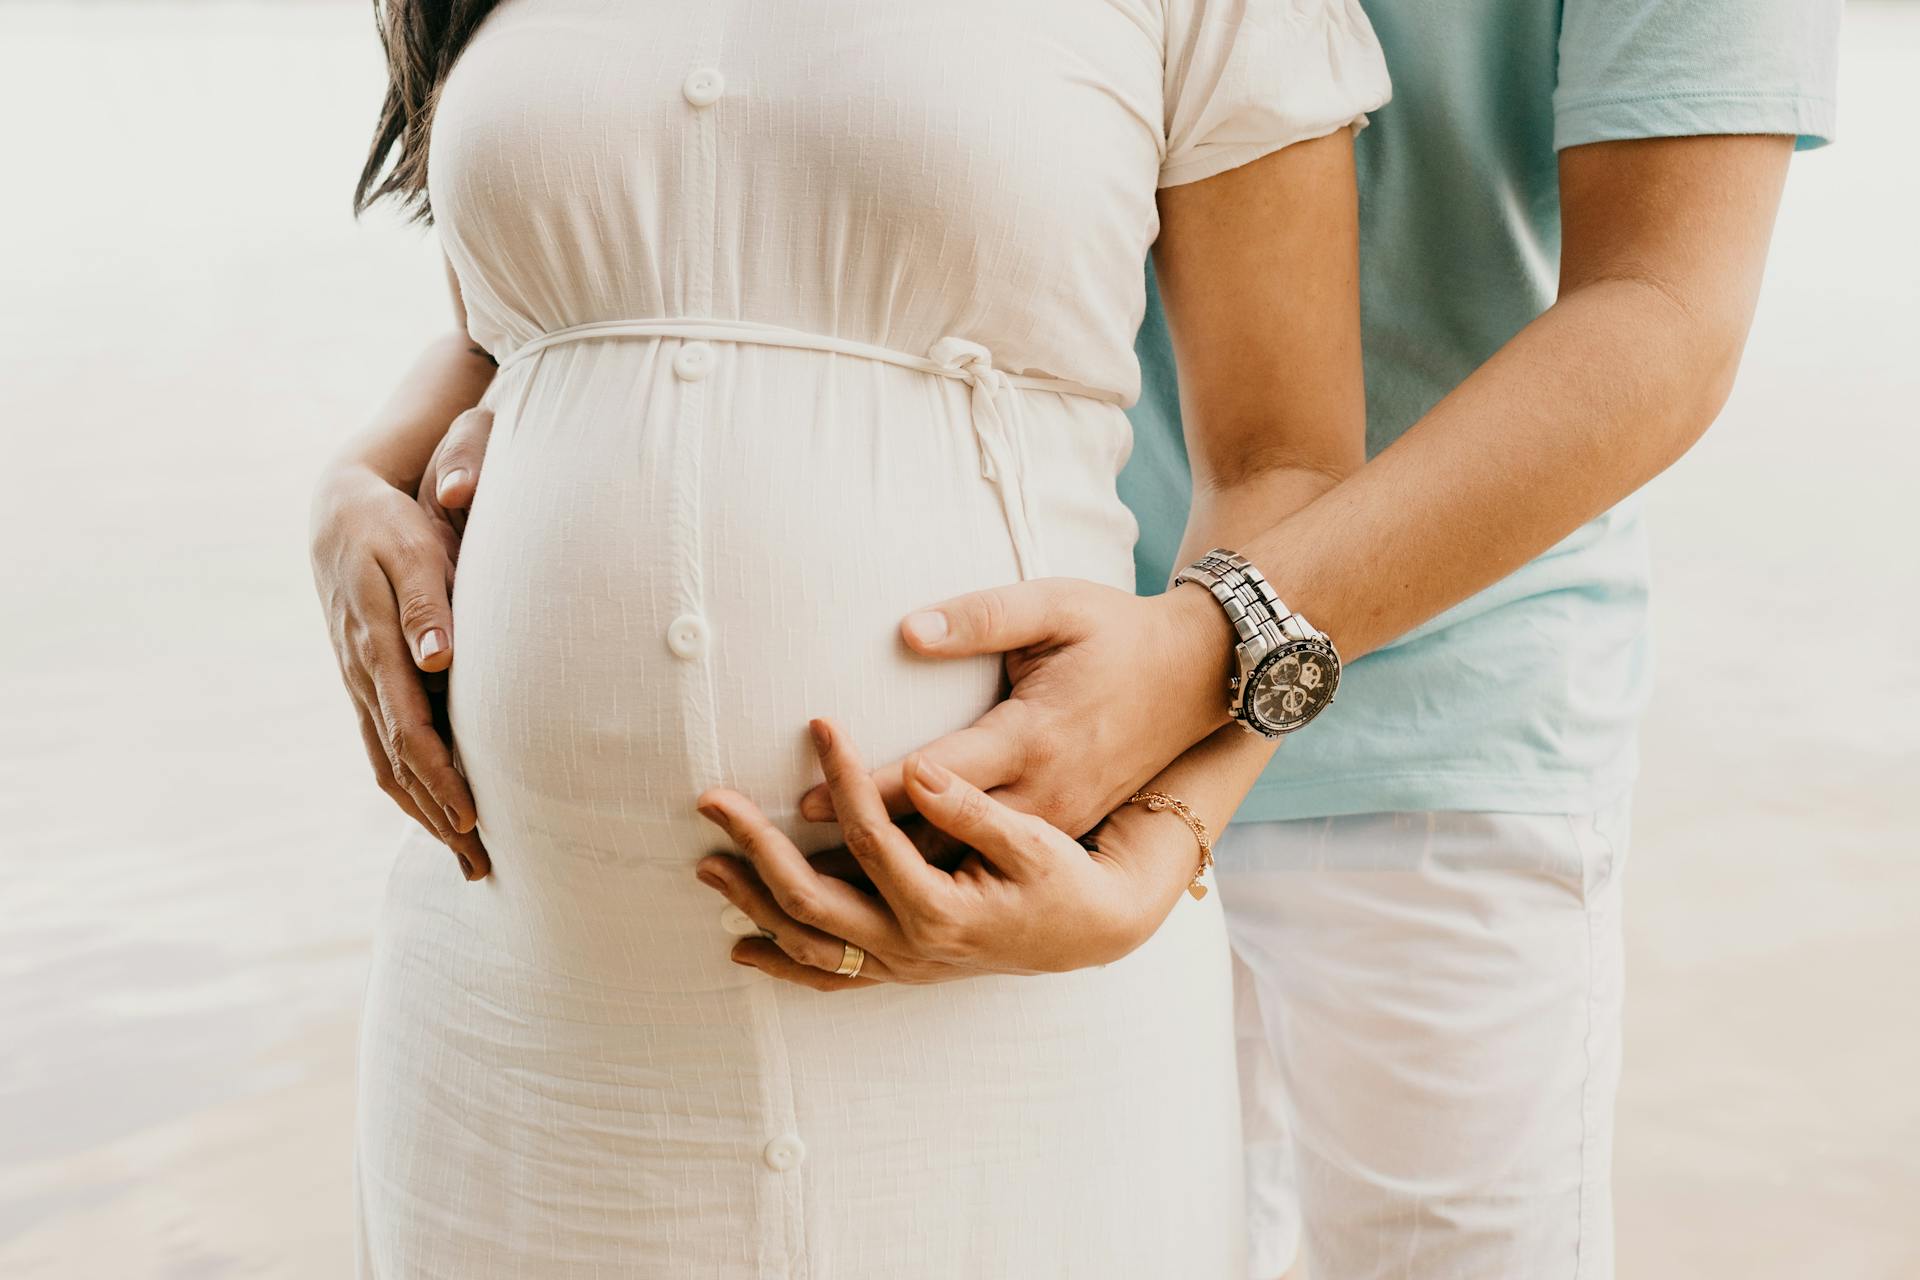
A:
<point x="422" y="38"/>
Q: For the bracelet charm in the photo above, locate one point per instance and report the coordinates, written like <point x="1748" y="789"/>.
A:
<point x="1156" y="801"/>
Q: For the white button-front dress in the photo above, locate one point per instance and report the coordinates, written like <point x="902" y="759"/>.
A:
<point x="808" y="313"/>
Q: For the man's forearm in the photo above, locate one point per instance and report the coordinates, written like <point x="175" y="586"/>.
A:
<point x="1664" y="244"/>
<point x="1582" y="408"/>
<point x="447" y="379"/>
<point x="1593" y="399"/>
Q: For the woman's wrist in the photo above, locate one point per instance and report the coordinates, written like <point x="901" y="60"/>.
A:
<point x="1156" y="856"/>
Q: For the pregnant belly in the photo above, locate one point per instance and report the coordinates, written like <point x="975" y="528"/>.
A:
<point x="660" y="586"/>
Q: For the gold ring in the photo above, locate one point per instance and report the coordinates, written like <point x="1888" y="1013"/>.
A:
<point x="850" y="961"/>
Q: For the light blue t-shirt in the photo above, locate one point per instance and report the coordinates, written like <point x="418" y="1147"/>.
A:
<point x="1526" y="697"/>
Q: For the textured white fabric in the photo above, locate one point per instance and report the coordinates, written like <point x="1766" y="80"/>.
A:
<point x="956" y="358"/>
<point x="684" y="544"/>
<point x="1428" y="1009"/>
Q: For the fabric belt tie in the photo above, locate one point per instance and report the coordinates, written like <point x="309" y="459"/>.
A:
<point x="990" y="394"/>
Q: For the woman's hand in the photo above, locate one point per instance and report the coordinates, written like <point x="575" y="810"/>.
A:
<point x="383" y="566"/>
<point x="1108" y="689"/>
<point x="1024" y="899"/>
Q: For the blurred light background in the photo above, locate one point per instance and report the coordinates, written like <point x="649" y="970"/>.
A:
<point x="191" y="850"/>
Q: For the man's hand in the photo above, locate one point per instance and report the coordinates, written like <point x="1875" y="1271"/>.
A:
<point x="1024" y="899"/>
<point x="453" y="475"/>
<point x="1108" y="689"/>
<point x="383" y="564"/>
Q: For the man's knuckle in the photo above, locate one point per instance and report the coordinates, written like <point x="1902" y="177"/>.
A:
<point x="864" y="837"/>
<point x="418" y="609"/>
<point x="1074" y="609"/>
<point x="395" y="761"/>
<point x="972" y="808"/>
<point x="990" y="612"/>
<point x="362" y="648"/>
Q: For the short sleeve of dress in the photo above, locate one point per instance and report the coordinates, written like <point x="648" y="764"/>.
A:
<point x="1248" y="77"/>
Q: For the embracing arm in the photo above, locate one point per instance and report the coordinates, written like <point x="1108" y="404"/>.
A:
<point x="1663" y="245"/>
<point x="1664" y="241"/>
<point x="382" y="563"/>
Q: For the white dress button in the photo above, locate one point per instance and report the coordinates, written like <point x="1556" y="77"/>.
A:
<point x="784" y="1152"/>
<point x="704" y="87"/>
<point x="693" y="362"/>
<point x="687" y="635"/>
<point x="738" y="923"/>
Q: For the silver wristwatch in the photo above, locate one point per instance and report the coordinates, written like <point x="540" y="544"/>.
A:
<point x="1288" y="670"/>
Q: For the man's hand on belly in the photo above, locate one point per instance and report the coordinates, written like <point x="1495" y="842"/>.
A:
<point x="1109" y="688"/>
<point x="1023" y="897"/>
<point x="383" y="563"/>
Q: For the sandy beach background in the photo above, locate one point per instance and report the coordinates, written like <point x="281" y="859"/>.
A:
<point x="191" y="851"/>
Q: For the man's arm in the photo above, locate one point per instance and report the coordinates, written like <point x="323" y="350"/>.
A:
<point x="1663" y="245"/>
<point x="1664" y="241"/>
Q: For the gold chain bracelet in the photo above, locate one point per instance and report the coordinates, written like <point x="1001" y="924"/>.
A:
<point x="1158" y="800"/>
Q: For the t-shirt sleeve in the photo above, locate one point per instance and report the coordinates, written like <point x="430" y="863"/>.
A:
<point x="1247" y="77"/>
<point x="1675" y="68"/>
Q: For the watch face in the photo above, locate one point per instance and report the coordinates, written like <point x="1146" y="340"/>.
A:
<point x="1293" y="685"/>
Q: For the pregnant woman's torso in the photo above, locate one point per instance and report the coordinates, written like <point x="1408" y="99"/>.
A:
<point x="683" y="548"/>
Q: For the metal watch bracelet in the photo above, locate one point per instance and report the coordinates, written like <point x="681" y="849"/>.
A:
<point x="1288" y="670"/>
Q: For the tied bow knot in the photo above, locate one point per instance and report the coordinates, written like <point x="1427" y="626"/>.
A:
<point x="968" y="359"/>
<point x="1000" y="460"/>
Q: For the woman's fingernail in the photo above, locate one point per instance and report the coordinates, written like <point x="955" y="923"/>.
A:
<point x="932" y="776"/>
<point x="822" y="736"/>
<point x="453" y="818"/>
<point x="448" y="481"/>
<point x="710" y="880"/>
<point x="433" y="642"/>
<point x="927" y="628"/>
<point x="466" y="868"/>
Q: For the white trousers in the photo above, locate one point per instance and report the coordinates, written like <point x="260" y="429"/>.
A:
<point x="1429" y="1035"/>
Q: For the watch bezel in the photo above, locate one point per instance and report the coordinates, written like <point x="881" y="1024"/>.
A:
<point x="1320" y="648"/>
